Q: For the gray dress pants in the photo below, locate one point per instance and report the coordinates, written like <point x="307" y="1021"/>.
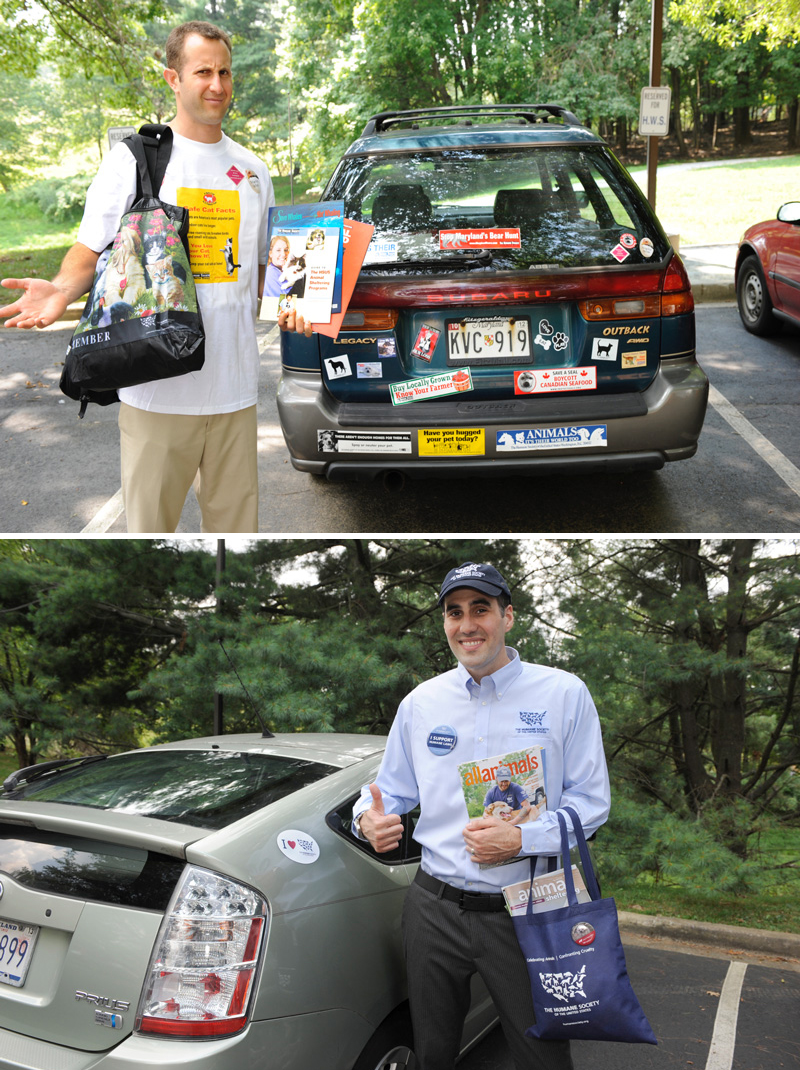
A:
<point x="444" y="947"/>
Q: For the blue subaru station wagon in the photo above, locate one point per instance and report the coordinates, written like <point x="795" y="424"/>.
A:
<point x="520" y="309"/>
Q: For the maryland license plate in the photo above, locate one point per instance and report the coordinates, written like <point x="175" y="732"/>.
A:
<point x="491" y="340"/>
<point x="16" y="950"/>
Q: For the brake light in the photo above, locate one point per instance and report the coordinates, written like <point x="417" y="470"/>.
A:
<point x="371" y="319"/>
<point x="677" y="290"/>
<point x="200" y="978"/>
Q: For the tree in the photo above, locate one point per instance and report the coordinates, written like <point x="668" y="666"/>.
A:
<point x="700" y="694"/>
<point x="324" y="635"/>
<point x="731" y="21"/>
<point x="81" y="623"/>
<point x="94" y="35"/>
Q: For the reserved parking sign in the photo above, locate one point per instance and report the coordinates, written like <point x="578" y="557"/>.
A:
<point x="654" y="111"/>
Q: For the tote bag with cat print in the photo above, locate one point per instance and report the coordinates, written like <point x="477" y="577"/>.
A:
<point x="141" y="321"/>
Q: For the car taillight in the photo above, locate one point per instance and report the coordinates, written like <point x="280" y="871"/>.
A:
<point x="618" y="308"/>
<point x="371" y="319"/>
<point x="674" y="299"/>
<point x="200" y="977"/>
<point x="677" y="290"/>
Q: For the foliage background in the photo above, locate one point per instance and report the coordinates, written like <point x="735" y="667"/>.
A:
<point x="308" y="72"/>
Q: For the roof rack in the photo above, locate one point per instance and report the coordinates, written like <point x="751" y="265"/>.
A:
<point x="529" y="113"/>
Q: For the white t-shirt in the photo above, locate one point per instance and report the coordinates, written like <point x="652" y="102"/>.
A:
<point x="228" y="193"/>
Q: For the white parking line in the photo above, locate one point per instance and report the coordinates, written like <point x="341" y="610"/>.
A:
<point x="105" y="517"/>
<point x="270" y="338"/>
<point x="781" y="465"/>
<point x="723" y="1042"/>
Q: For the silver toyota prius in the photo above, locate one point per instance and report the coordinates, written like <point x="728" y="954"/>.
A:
<point x="204" y="904"/>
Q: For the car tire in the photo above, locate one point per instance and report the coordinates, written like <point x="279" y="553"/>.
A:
<point x="391" y="1047"/>
<point x="752" y="297"/>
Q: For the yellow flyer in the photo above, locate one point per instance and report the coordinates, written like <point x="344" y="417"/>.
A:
<point x="213" y="233"/>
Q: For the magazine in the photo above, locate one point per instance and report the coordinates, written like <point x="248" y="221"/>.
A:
<point x="304" y="260"/>
<point x="356" y="238"/>
<point x="526" y="783"/>
<point x="548" y="892"/>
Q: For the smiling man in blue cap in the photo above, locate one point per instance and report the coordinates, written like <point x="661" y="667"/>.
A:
<point x="455" y="922"/>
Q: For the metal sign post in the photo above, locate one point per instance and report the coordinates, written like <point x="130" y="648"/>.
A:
<point x="656" y="37"/>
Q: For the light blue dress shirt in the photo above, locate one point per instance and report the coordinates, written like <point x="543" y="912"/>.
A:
<point x="519" y="706"/>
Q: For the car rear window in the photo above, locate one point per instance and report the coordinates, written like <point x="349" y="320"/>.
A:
<point x="209" y="789"/>
<point x="568" y="207"/>
<point x="87" y="869"/>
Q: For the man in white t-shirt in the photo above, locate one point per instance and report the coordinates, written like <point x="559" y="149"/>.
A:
<point x="198" y="428"/>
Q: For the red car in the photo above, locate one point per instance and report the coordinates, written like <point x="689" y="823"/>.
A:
<point x="768" y="272"/>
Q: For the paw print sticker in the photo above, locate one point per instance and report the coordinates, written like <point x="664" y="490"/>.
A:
<point x="560" y="341"/>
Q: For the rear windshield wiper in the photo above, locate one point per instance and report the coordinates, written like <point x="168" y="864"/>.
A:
<point x="33" y="772"/>
<point x="479" y="260"/>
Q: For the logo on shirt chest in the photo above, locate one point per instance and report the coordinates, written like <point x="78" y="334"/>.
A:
<point x="533" y="722"/>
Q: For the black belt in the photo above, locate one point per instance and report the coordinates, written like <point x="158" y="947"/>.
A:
<point x="466" y="900"/>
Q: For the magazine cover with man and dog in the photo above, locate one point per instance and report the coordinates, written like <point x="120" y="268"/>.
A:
<point x="508" y="786"/>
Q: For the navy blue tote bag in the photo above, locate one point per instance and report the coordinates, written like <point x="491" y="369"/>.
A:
<point x="576" y="964"/>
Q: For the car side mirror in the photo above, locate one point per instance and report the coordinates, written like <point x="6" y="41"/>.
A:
<point x="789" y="212"/>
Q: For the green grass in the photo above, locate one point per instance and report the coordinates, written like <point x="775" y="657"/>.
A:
<point x="712" y="205"/>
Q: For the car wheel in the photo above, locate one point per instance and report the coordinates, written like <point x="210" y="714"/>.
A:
<point x="391" y="1048"/>
<point x="755" y="306"/>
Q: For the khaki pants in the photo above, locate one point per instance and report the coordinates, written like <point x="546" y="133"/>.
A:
<point x="164" y="454"/>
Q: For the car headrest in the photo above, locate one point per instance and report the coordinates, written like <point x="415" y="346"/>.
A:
<point x="402" y="207"/>
<point x="518" y="207"/>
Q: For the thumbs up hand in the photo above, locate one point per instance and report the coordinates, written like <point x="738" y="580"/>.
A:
<point x="384" y="831"/>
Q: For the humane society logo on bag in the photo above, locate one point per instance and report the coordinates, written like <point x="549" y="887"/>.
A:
<point x="565" y="986"/>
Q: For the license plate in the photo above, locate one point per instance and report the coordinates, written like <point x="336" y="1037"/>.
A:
<point x="491" y="340"/>
<point x="16" y="951"/>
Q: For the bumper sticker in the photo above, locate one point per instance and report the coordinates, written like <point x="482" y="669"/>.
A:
<point x="371" y="369"/>
<point x="363" y="441"/>
<point x="548" y="438"/>
<point x="298" y="846"/>
<point x="490" y="238"/>
<point x="338" y="367"/>
<point x="620" y="253"/>
<point x="604" y="348"/>
<point x="431" y="386"/>
<point x="636" y="359"/>
<point x="425" y="343"/>
<point x="438" y="442"/>
<point x="549" y="380"/>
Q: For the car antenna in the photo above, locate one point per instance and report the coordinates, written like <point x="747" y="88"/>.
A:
<point x="265" y="733"/>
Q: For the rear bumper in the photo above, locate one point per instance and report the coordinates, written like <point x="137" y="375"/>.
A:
<point x="641" y="430"/>
<point x="328" y="1038"/>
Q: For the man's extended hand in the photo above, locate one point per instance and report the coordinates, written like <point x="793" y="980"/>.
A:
<point x="291" y="321"/>
<point x="384" y="831"/>
<point x="491" y="840"/>
<point x="41" y="304"/>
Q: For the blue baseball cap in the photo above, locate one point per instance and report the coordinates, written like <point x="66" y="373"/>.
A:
<point x="483" y="578"/>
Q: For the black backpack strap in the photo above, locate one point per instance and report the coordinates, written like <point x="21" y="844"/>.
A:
<point x="157" y="138"/>
<point x="151" y="148"/>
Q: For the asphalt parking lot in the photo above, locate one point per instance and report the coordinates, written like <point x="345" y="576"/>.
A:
<point x="718" y="998"/>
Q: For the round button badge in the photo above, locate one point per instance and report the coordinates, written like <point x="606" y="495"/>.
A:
<point x="441" y="740"/>
<point x="583" y="933"/>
